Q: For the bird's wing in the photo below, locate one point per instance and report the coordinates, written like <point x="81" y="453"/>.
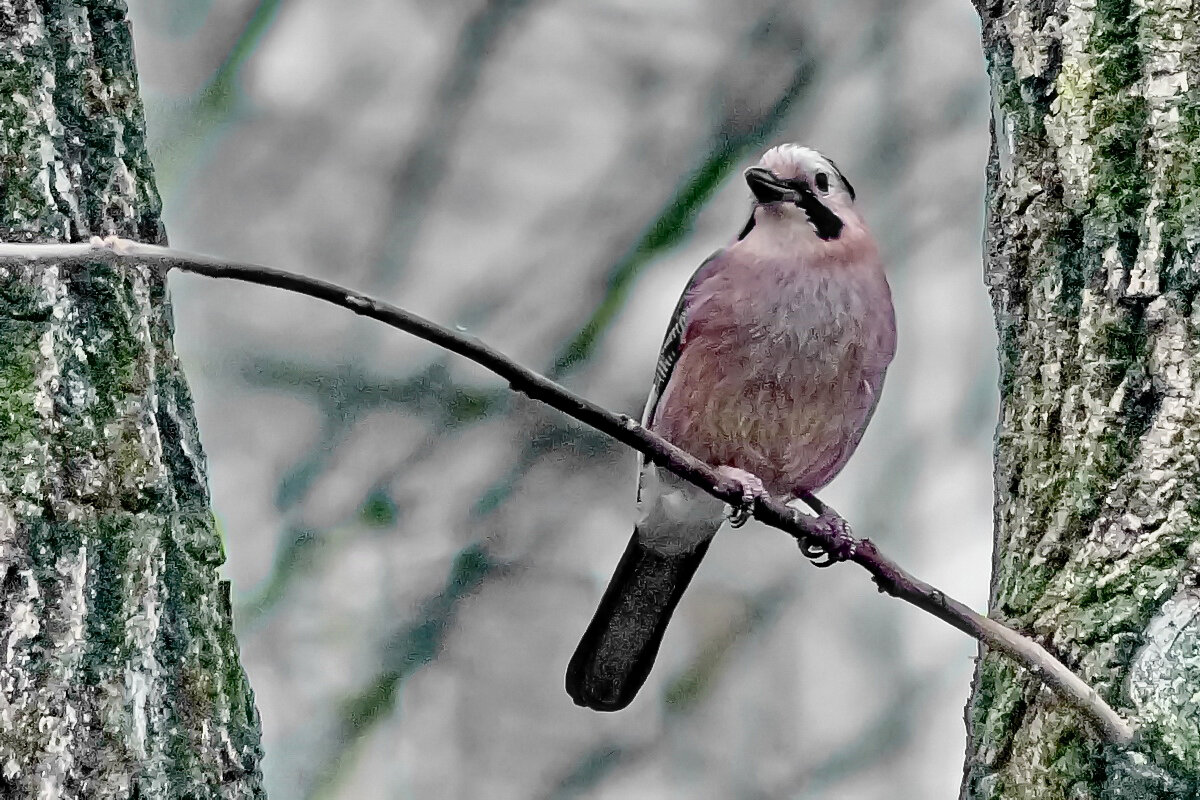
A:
<point x="668" y="354"/>
<point x="672" y="346"/>
<point x="672" y="343"/>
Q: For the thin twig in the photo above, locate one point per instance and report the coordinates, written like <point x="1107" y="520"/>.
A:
<point x="888" y="576"/>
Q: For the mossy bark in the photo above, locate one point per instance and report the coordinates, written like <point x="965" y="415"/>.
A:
<point x="119" y="673"/>
<point x="1092" y="264"/>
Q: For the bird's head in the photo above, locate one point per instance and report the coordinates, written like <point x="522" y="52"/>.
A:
<point x="803" y="186"/>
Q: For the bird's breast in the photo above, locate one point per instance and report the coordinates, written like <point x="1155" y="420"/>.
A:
<point x="778" y="374"/>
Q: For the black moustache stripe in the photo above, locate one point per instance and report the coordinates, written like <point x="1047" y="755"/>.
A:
<point x="827" y="224"/>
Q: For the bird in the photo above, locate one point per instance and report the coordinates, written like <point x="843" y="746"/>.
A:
<point x="770" y="370"/>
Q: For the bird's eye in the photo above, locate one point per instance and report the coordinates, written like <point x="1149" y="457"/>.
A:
<point x="822" y="181"/>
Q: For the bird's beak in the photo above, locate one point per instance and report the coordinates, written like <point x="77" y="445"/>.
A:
<point x="767" y="188"/>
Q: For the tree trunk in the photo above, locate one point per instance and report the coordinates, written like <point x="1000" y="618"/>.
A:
<point x="1093" y="225"/>
<point x="119" y="673"/>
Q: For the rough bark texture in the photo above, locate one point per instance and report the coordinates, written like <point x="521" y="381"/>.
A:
<point x="119" y="674"/>
<point x="1094" y="221"/>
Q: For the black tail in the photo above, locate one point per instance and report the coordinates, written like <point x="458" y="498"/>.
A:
<point x="617" y="650"/>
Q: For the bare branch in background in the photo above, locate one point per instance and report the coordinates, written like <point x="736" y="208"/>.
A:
<point x="808" y="531"/>
<point x="217" y="101"/>
<point x="419" y="175"/>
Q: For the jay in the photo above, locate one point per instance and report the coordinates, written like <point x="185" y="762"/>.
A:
<point x="770" y="371"/>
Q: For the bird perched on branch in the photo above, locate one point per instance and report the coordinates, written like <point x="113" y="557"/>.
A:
<point x="771" y="368"/>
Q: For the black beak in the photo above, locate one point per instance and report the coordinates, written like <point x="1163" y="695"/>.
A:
<point x="769" y="189"/>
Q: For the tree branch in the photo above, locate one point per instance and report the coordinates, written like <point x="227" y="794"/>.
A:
<point x="888" y="576"/>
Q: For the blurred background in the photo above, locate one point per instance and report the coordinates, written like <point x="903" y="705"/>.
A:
<point x="414" y="551"/>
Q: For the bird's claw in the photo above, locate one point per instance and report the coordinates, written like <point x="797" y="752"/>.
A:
<point x="844" y="545"/>
<point x="752" y="489"/>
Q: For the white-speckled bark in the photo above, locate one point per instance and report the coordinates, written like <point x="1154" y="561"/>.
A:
<point x="1092" y="262"/>
<point x="119" y="674"/>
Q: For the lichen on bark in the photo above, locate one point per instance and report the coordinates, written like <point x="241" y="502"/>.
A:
<point x="119" y="673"/>
<point x="1092" y="264"/>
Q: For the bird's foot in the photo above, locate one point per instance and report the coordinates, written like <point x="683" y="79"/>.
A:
<point x="752" y="489"/>
<point x="843" y="545"/>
